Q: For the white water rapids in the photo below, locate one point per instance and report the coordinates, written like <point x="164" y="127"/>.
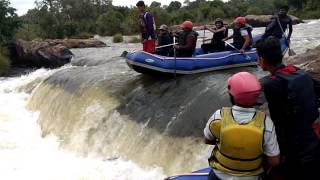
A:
<point x="24" y="154"/>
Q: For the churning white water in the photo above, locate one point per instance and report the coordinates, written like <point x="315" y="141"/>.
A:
<point x="24" y="154"/>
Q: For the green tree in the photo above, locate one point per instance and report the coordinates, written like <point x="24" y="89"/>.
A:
<point x="9" y="21"/>
<point x="296" y="3"/>
<point x="109" y="23"/>
<point x="161" y="16"/>
<point x="254" y="10"/>
<point x="174" y="6"/>
<point x="216" y="13"/>
<point x="155" y="4"/>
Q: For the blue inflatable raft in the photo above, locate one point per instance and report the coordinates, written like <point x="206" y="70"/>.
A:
<point x="144" y="62"/>
<point x="201" y="174"/>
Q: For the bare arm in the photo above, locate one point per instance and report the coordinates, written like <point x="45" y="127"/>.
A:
<point x="273" y="161"/>
<point x="210" y="29"/>
<point x="246" y="42"/>
<point x="220" y="30"/>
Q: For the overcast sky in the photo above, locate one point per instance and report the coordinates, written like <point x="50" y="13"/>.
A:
<point x="22" y="6"/>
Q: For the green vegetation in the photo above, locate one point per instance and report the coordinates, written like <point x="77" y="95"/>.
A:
<point x="9" y="21"/>
<point x="70" y="18"/>
<point x="4" y="61"/>
<point x="9" y="24"/>
<point x="117" y="38"/>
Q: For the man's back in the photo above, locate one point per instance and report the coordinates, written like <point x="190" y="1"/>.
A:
<point x="292" y="105"/>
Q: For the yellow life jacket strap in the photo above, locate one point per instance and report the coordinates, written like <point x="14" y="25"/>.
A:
<point x="238" y="170"/>
<point x="238" y="159"/>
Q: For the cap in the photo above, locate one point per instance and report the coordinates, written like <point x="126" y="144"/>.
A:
<point x="164" y="27"/>
<point x="140" y="3"/>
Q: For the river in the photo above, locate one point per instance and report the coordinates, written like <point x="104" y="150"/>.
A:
<point x="97" y="119"/>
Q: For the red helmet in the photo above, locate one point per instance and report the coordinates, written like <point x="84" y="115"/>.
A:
<point x="186" y="25"/>
<point x="245" y="88"/>
<point x="240" y="20"/>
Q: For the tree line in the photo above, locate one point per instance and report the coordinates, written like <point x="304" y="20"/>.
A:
<point x="67" y="18"/>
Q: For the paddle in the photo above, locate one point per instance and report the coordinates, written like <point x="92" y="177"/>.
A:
<point x="204" y="34"/>
<point x="175" y="58"/>
<point x="166" y="45"/>
<point x="290" y="52"/>
<point x="245" y="55"/>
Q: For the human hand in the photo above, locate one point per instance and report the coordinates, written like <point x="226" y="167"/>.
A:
<point x="241" y="51"/>
<point x="176" y="46"/>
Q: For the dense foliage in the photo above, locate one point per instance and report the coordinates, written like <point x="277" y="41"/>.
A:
<point x="8" y="21"/>
<point x="66" y="18"/>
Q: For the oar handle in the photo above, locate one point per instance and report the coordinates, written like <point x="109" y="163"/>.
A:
<point x="245" y="55"/>
<point x="166" y="45"/>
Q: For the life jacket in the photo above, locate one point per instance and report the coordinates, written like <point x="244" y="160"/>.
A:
<point x="217" y="37"/>
<point x="183" y="36"/>
<point x="240" y="148"/>
<point x="238" y="40"/>
<point x="300" y="109"/>
<point x="143" y="25"/>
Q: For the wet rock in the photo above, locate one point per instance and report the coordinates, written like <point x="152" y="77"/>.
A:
<point x="39" y="54"/>
<point x="264" y="20"/>
<point x="309" y="61"/>
<point x="77" y="43"/>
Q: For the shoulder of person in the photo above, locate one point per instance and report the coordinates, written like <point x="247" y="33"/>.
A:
<point x="274" y="17"/>
<point x="216" y="115"/>
<point x="148" y="14"/>
<point x="193" y="34"/>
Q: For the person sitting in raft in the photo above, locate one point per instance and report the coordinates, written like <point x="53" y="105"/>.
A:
<point x="187" y="40"/>
<point x="164" y="38"/>
<point x="242" y="135"/>
<point x="242" y="37"/>
<point x="219" y="32"/>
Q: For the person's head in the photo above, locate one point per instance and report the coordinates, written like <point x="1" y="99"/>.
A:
<point x="269" y="53"/>
<point x="244" y="89"/>
<point x="240" y="21"/>
<point x="141" y="6"/>
<point x="283" y="10"/>
<point x="163" y="29"/>
<point x="218" y="22"/>
<point x="186" y="25"/>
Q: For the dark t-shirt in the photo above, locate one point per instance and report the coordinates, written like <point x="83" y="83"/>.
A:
<point x="294" y="131"/>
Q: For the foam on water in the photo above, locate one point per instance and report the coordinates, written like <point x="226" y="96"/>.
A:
<point x="24" y="154"/>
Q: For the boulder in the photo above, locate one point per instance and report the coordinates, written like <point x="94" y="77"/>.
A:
<point x="77" y="43"/>
<point x="309" y="61"/>
<point x="39" y="54"/>
<point x="264" y="20"/>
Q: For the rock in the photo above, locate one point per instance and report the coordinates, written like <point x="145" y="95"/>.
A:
<point x="77" y="43"/>
<point x="39" y="54"/>
<point x="310" y="61"/>
<point x="264" y="20"/>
